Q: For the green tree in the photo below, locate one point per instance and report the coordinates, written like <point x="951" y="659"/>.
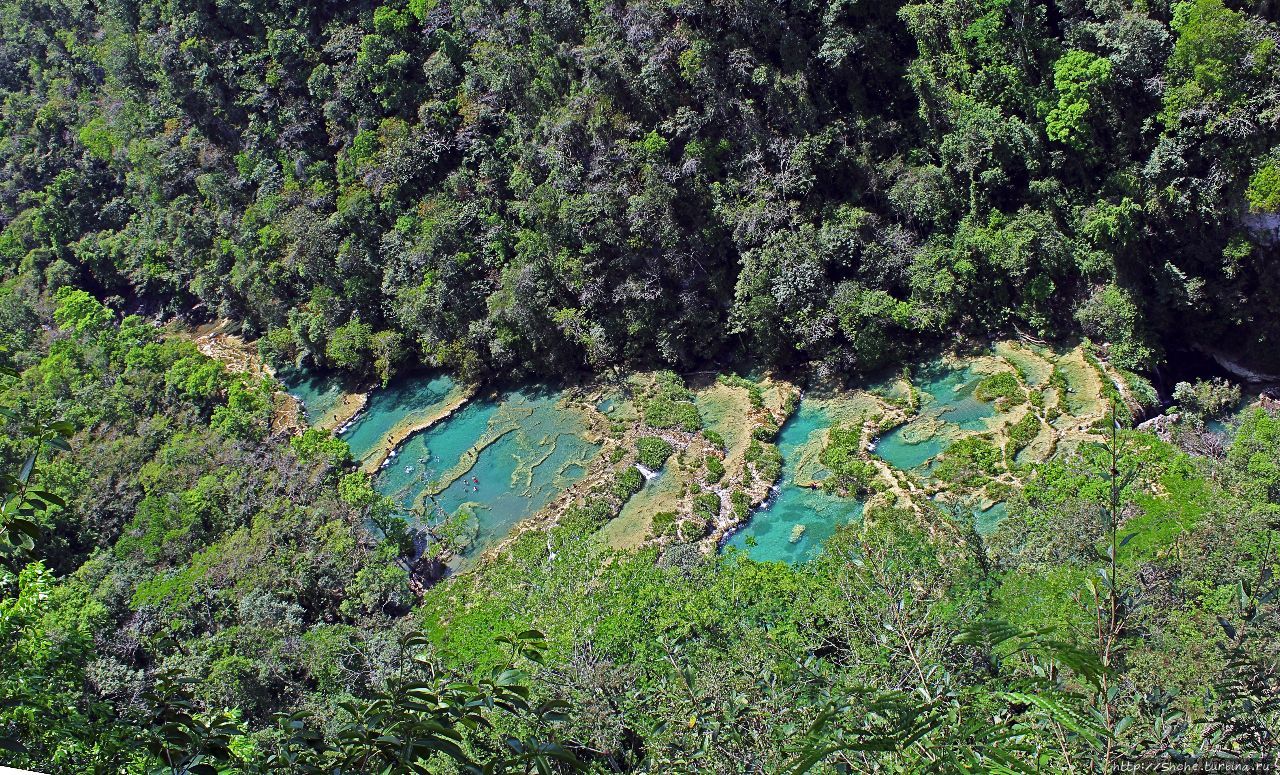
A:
<point x="1078" y="77"/>
<point x="1219" y="63"/>
<point x="248" y="409"/>
<point x="1112" y="315"/>
<point x="350" y="346"/>
<point x="81" y="313"/>
<point x="1264" y="188"/>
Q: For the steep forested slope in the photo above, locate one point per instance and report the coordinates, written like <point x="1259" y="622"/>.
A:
<point x="493" y="186"/>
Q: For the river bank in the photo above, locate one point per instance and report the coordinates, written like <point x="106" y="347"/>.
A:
<point x="747" y="474"/>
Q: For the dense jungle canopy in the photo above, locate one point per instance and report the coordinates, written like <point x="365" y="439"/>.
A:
<point x="498" y="187"/>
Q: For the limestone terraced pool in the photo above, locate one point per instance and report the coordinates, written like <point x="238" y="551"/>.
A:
<point x="400" y="405"/>
<point x="319" y="394"/>
<point x="948" y="409"/>
<point x="438" y="450"/>
<point x="772" y="533"/>
<point x="501" y="458"/>
<point x="793" y="524"/>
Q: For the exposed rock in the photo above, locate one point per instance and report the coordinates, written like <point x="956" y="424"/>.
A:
<point x="1161" y="425"/>
<point x="1237" y="368"/>
<point x="1264" y="226"/>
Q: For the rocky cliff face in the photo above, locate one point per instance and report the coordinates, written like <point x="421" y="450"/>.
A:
<point x="1264" y="226"/>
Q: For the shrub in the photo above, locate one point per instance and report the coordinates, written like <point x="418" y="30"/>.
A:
<point x="790" y="403"/>
<point x="692" y="529"/>
<point x="586" y="518"/>
<point x="664" y="412"/>
<point x="715" y="469"/>
<point x="653" y="452"/>
<point x="1264" y="188"/>
<point x="765" y="459"/>
<point x="278" y="347"/>
<point x="714" y="438"/>
<point x="670" y="405"/>
<point x="350" y="345"/>
<point x="766" y="432"/>
<point x="1205" y="399"/>
<point x="707" y="505"/>
<point x="247" y="413"/>
<point x="1022" y="432"/>
<point x="1141" y="390"/>
<point x="969" y="461"/>
<point x="1112" y="315"/>
<point x="1058" y="379"/>
<point x="669" y="523"/>
<point x="850" y="473"/>
<point x="628" y="483"/>
<point x="317" y="446"/>
<point x="664" y="523"/>
<point x="1003" y="385"/>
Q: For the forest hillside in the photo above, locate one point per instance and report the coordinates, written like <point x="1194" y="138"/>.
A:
<point x="639" y="386"/>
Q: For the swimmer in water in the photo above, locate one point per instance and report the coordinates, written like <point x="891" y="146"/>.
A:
<point x="474" y="479"/>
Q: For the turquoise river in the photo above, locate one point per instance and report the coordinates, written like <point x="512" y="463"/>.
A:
<point x="505" y="457"/>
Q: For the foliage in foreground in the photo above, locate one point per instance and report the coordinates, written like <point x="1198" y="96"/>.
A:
<point x="201" y="592"/>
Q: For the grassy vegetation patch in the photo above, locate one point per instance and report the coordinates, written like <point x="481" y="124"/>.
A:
<point x="969" y="462"/>
<point x="652" y="452"/>
<point x="1001" y="386"/>
<point x="1022" y="432"/>
<point x="753" y="389"/>
<point x="669" y="524"/>
<point x="670" y="405"/>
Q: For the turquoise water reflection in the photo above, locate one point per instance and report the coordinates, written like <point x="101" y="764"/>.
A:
<point x="320" y="393"/>
<point x="503" y="460"/>
<point x="986" y="522"/>
<point x="772" y="526"/>
<point x="398" y="403"/>
<point x="948" y="406"/>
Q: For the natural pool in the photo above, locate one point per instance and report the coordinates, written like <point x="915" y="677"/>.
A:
<point x="319" y="393"/>
<point x="502" y="459"/>
<point x="772" y="526"/>
<point x="986" y="522"/>
<point x="1225" y="425"/>
<point x="949" y="407"/>
<point x="407" y="400"/>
